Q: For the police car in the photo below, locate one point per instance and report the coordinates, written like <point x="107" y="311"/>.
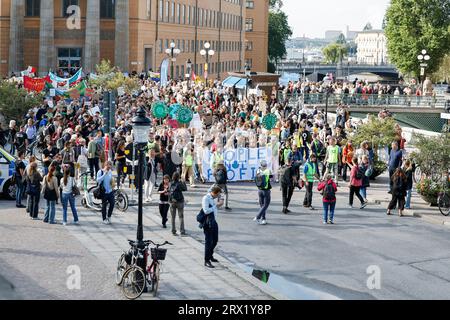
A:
<point x="7" y="168"/>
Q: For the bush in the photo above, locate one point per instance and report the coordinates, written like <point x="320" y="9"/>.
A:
<point x="429" y="190"/>
<point x="379" y="167"/>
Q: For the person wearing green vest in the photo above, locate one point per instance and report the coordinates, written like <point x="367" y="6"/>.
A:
<point x="309" y="173"/>
<point x="188" y="166"/>
<point x="332" y="160"/>
<point x="264" y="193"/>
<point x="216" y="157"/>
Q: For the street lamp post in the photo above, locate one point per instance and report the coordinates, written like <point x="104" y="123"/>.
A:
<point x="172" y="52"/>
<point x="206" y="53"/>
<point x="423" y="57"/>
<point x="141" y="128"/>
<point x="247" y="76"/>
<point x="189" y="71"/>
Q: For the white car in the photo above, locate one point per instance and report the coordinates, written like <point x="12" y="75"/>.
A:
<point x="7" y="168"/>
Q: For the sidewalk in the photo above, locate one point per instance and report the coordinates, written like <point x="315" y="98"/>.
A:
<point x="183" y="275"/>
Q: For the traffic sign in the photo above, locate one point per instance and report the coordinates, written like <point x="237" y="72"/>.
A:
<point x="424" y="65"/>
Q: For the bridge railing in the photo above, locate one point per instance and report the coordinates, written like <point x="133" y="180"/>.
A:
<point x="381" y="100"/>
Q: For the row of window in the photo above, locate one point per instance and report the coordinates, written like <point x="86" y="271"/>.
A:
<point x="188" y="46"/>
<point x="171" y="12"/>
<point x="107" y="8"/>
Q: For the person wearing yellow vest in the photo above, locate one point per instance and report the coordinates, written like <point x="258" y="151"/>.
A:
<point x="264" y="193"/>
<point x="309" y="173"/>
<point x="188" y="166"/>
<point x="332" y="160"/>
<point x="216" y="157"/>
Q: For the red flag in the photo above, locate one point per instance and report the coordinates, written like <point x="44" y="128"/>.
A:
<point x="36" y="84"/>
<point x="194" y="76"/>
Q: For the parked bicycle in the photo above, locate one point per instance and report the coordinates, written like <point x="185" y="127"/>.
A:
<point x="120" y="198"/>
<point x="444" y="197"/>
<point x="138" y="274"/>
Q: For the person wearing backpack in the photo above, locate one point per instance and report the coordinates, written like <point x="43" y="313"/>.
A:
<point x="19" y="175"/>
<point x="33" y="179"/>
<point x="329" y="189"/>
<point x="399" y="191"/>
<point x="105" y="178"/>
<point x="221" y="178"/>
<point x="288" y="180"/>
<point x="356" y="181"/>
<point x="51" y="194"/>
<point x="263" y="176"/>
<point x="364" y="169"/>
<point x="176" y="200"/>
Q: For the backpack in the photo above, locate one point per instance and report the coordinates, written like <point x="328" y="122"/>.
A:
<point x="175" y="195"/>
<point x="33" y="189"/>
<point x="99" y="192"/>
<point x="60" y="143"/>
<point x="360" y="173"/>
<point x="220" y="177"/>
<point x="329" y="193"/>
<point x="259" y="180"/>
<point x="285" y="176"/>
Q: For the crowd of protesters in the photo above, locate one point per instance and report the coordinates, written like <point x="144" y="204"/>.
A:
<point x="306" y="148"/>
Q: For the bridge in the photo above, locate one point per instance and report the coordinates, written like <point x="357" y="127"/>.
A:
<point x="422" y="113"/>
<point x="344" y="69"/>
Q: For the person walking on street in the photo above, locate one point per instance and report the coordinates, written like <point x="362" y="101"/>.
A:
<point x="221" y="177"/>
<point x="164" y="204"/>
<point x="33" y="180"/>
<point x="105" y="178"/>
<point x="67" y="184"/>
<point x="309" y="173"/>
<point x="263" y="177"/>
<point x="347" y="158"/>
<point x="121" y="160"/>
<point x="188" y="166"/>
<point x="399" y="189"/>
<point x="93" y="158"/>
<point x="150" y="176"/>
<point x="409" y="182"/>
<point x="19" y="176"/>
<point x="288" y="180"/>
<point x="50" y="193"/>
<point x="211" y="228"/>
<point x="364" y="167"/>
<point x="329" y="188"/>
<point x="332" y="159"/>
<point x="176" y="200"/>
<point x="356" y="181"/>
<point x="395" y="162"/>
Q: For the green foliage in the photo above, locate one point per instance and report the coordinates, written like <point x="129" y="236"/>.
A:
<point x="334" y="52"/>
<point x="15" y="102"/>
<point x="109" y="78"/>
<point x="275" y="4"/>
<point x="443" y="73"/>
<point x="429" y="190"/>
<point x="414" y="25"/>
<point x="279" y="33"/>
<point x="433" y="153"/>
<point x="380" y="132"/>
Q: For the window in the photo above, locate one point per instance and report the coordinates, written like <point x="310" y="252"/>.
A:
<point x="172" y="12"/>
<point x="149" y="9"/>
<point x="183" y="14"/>
<point x="178" y="14"/>
<point x="182" y="74"/>
<point x="248" y="24"/>
<point x="248" y="45"/>
<point x="66" y="5"/>
<point x="108" y="9"/>
<point x="161" y="10"/>
<point x="33" y="8"/>
<point x="161" y="46"/>
<point x="167" y="11"/>
<point x="250" y="4"/>
<point x="69" y="59"/>
<point x="177" y="71"/>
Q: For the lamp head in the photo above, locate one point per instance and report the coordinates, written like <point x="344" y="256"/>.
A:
<point x="207" y="45"/>
<point x="172" y="45"/>
<point x="211" y="52"/>
<point x="203" y="52"/>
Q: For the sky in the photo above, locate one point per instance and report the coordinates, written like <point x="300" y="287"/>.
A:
<point x="313" y="17"/>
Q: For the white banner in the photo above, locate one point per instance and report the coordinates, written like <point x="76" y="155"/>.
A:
<point x="241" y="163"/>
<point x="164" y="72"/>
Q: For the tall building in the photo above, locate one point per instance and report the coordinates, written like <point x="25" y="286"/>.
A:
<point x="372" y="47"/>
<point x="133" y="35"/>
<point x="257" y="34"/>
<point x="332" y="35"/>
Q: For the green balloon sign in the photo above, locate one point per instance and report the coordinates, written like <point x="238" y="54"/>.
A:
<point x="269" y="121"/>
<point x="160" y="110"/>
<point x="185" y="115"/>
<point x="173" y="110"/>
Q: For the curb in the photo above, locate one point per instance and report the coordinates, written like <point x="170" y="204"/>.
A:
<point x="434" y="219"/>
<point x="231" y="267"/>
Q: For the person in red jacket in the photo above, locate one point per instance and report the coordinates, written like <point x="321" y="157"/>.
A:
<point x="356" y="182"/>
<point x="329" y="198"/>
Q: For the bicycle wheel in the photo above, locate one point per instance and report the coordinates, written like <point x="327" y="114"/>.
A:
<point x="444" y="204"/>
<point x="155" y="276"/>
<point x="95" y="202"/>
<point x="133" y="283"/>
<point x="121" y="201"/>
<point x="121" y="269"/>
<point x="417" y="174"/>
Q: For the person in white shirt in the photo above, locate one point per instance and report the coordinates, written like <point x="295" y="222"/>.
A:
<point x="67" y="184"/>
<point x="211" y="228"/>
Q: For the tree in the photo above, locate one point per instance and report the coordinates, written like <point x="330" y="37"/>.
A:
<point x="279" y="33"/>
<point x="334" y="52"/>
<point x="275" y="4"/>
<point x="368" y="27"/>
<point x="443" y="73"/>
<point x="414" y="25"/>
<point x="15" y="102"/>
<point x="109" y="78"/>
<point x="341" y="39"/>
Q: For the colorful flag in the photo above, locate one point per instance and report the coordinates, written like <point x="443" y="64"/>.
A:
<point x="36" y="84"/>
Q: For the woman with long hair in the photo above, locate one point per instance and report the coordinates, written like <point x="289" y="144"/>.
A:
<point x="409" y="172"/>
<point x="67" y="184"/>
<point x="164" y="204"/>
<point x="33" y="190"/>
<point x="51" y="194"/>
<point x="399" y="188"/>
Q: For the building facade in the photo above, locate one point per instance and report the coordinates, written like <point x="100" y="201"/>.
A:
<point x="133" y="35"/>
<point x="372" y="47"/>
<point x="257" y="34"/>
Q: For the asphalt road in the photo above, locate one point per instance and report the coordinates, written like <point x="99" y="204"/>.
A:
<point x="412" y="256"/>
